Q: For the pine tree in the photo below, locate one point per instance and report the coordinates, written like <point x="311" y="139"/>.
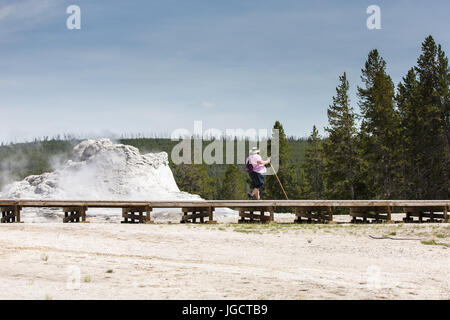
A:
<point x="410" y="133"/>
<point x="429" y="118"/>
<point x="423" y="104"/>
<point x="193" y="178"/>
<point x="304" y="187"/>
<point x="233" y="184"/>
<point x="443" y="85"/>
<point x="431" y="111"/>
<point x="340" y="152"/>
<point x="379" y="128"/>
<point x="315" y="166"/>
<point x="286" y="172"/>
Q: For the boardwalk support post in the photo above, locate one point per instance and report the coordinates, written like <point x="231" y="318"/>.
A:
<point x="136" y="214"/>
<point x="313" y="215"/>
<point x="430" y="213"/>
<point x="445" y="215"/>
<point x="256" y="215"/>
<point x="74" y="214"/>
<point x="193" y="213"/>
<point x="10" y="214"/>
<point x="371" y="214"/>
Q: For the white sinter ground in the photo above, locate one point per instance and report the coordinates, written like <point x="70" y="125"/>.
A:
<point x="102" y="170"/>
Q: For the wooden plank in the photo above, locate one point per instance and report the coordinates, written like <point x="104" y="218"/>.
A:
<point x="257" y="209"/>
<point x="424" y="209"/>
<point x="301" y="220"/>
<point x="10" y="214"/>
<point x="424" y="212"/>
<point x="194" y="215"/>
<point x="148" y="211"/>
<point x="314" y="215"/>
<point x="7" y="216"/>
<point x="74" y="214"/>
<point x="370" y="209"/>
<point x="368" y="215"/>
<point x="71" y="216"/>
<point x="427" y="215"/>
<point x="231" y="203"/>
<point x="311" y="215"/>
<point x="211" y="213"/>
<point x="124" y="215"/>
<point x="137" y="208"/>
<point x="314" y="210"/>
<point x="139" y="214"/>
<point x="17" y="210"/>
<point x="255" y="216"/>
<point x="438" y="207"/>
<point x="131" y="215"/>
<point x="330" y="211"/>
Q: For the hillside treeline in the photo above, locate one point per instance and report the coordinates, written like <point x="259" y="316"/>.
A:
<point x="19" y="160"/>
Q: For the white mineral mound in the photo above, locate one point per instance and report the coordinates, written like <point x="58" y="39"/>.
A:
<point x="102" y="170"/>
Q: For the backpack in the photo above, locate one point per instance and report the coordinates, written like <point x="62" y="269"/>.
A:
<point x="248" y="166"/>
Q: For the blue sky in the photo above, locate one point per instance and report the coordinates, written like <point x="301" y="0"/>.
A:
<point x="155" y="66"/>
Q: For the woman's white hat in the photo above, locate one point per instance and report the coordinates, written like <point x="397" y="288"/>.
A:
<point x="254" y="150"/>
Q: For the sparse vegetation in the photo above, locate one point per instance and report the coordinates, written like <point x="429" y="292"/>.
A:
<point x="434" y="243"/>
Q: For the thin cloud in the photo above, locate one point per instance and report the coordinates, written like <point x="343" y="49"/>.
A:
<point x="21" y="15"/>
<point x="208" y="104"/>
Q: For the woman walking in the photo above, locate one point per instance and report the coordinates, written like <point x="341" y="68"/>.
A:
<point x="255" y="166"/>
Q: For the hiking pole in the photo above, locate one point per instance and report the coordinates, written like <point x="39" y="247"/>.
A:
<point x="279" y="181"/>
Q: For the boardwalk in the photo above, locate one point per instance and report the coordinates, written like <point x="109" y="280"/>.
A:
<point x="319" y="211"/>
